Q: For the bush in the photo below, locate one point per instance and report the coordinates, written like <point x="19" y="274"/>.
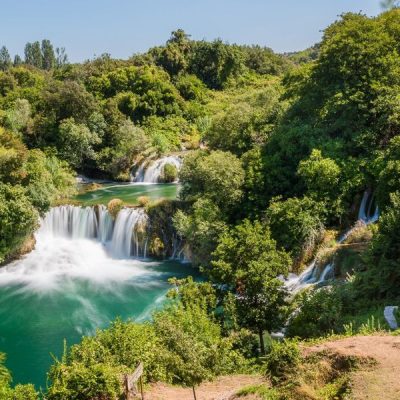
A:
<point x="114" y="206"/>
<point x="282" y="359"/>
<point x="320" y="312"/>
<point x="18" y="218"/>
<point x="77" y="380"/>
<point x="169" y="174"/>
<point x="143" y="201"/>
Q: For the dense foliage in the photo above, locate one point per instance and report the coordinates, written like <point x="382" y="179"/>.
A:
<point x="278" y="151"/>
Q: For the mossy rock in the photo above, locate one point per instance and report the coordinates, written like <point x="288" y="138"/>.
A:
<point x="114" y="206"/>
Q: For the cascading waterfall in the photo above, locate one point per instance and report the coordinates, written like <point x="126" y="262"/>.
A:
<point x="151" y="172"/>
<point x="105" y="226"/>
<point x="124" y="238"/>
<point x="368" y="214"/>
<point x="129" y="235"/>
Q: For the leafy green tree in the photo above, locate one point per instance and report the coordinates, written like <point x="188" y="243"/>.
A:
<point x="190" y="87"/>
<point x="13" y="155"/>
<point x="322" y="179"/>
<point x="18" y="218"/>
<point x="5" y="59"/>
<point x="217" y="175"/>
<point x="75" y="142"/>
<point x="49" y="58"/>
<point x="46" y="180"/>
<point x="194" y="349"/>
<point x="61" y="57"/>
<point x="321" y="175"/>
<point x="190" y="293"/>
<point x="320" y="312"/>
<point x="215" y="63"/>
<point x="19" y="116"/>
<point x="247" y="259"/>
<point x="17" y="60"/>
<point x="68" y="99"/>
<point x="33" y="55"/>
<point x="126" y="143"/>
<point x="297" y="224"/>
<point x="200" y="229"/>
<point x="174" y="56"/>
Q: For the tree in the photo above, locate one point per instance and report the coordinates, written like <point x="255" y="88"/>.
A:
<point x="62" y="57"/>
<point x="5" y="59"/>
<point x="389" y="4"/>
<point x="297" y="224"/>
<point x="215" y="63"/>
<point x="33" y="55"/>
<point x="76" y="142"/>
<point x="322" y="178"/>
<point x="200" y="229"/>
<point x="19" y="116"/>
<point x="194" y="349"/>
<point x="217" y="175"/>
<point x="17" y="60"/>
<point x="247" y="259"/>
<point x="174" y="57"/>
<point x="49" y="58"/>
<point x="18" y="218"/>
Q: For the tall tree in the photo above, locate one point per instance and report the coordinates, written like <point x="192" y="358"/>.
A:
<point x="62" y="57"/>
<point x="248" y="261"/>
<point x="17" y="60"/>
<point x="33" y="54"/>
<point x="49" y="58"/>
<point x="390" y="4"/>
<point x="5" y="59"/>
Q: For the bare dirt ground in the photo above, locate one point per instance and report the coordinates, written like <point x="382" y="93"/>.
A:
<point x="224" y="388"/>
<point x="380" y="381"/>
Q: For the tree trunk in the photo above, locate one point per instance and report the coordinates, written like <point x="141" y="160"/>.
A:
<point x="194" y="393"/>
<point x="261" y="335"/>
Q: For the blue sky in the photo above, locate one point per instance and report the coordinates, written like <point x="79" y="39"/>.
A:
<point x="122" y="27"/>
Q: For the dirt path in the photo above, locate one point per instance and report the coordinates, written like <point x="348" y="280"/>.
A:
<point x="380" y="382"/>
<point x="221" y="389"/>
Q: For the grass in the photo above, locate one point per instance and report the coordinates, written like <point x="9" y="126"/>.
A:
<point x="263" y="392"/>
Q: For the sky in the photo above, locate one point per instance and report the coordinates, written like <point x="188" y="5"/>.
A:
<point x="87" y="28"/>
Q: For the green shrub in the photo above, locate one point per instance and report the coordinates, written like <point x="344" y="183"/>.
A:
<point x="262" y="392"/>
<point x="282" y="359"/>
<point x="169" y="174"/>
<point x="320" y="312"/>
<point x="18" y="218"/>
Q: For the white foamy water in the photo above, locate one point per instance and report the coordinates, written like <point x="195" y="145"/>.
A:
<point x="76" y="243"/>
<point x="151" y="172"/>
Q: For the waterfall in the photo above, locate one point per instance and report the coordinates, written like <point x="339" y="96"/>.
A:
<point x="128" y="237"/>
<point x="125" y="237"/>
<point x="70" y="221"/>
<point x="151" y="172"/>
<point x="369" y="212"/>
<point x="106" y="225"/>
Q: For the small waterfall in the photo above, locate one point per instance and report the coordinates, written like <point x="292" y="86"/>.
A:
<point x="151" y="172"/>
<point x="369" y="212"/>
<point x="124" y="238"/>
<point x="106" y="225"/>
<point x="129" y="234"/>
<point x="70" y="221"/>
